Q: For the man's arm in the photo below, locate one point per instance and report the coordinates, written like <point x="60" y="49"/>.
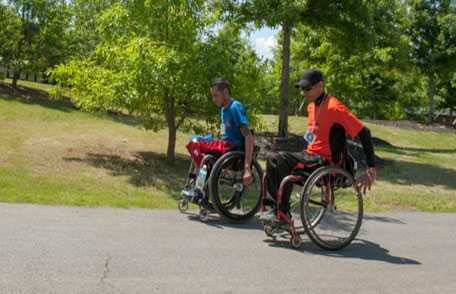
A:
<point x="355" y="128"/>
<point x="366" y="140"/>
<point x="249" y="144"/>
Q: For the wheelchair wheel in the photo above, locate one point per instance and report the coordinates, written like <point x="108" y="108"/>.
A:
<point x="295" y="208"/>
<point x="315" y="215"/>
<point x="183" y="205"/>
<point x="331" y="208"/>
<point x="229" y="196"/>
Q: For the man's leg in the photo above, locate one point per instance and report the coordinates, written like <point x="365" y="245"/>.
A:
<point x="279" y="165"/>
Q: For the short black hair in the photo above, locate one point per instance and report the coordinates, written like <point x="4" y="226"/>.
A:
<point x="221" y="84"/>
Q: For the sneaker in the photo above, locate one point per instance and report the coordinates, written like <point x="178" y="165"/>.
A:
<point x="259" y="214"/>
<point x="268" y="216"/>
<point x="192" y="194"/>
<point x="188" y="193"/>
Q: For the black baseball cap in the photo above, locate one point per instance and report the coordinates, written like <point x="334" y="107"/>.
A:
<point x="309" y="78"/>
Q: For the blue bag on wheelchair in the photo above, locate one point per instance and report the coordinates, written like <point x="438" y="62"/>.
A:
<point x="196" y="138"/>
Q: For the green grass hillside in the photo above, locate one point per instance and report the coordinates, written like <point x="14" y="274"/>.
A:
<point x="50" y="153"/>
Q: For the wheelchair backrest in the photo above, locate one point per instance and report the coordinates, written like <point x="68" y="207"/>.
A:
<point x="338" y="143"/>
<point x="345" y="152"/>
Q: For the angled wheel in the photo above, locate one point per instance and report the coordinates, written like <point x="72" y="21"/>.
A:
<point x="229" y="196"/>
<point x="331" y="208"/>
<point x="295" y="210"/>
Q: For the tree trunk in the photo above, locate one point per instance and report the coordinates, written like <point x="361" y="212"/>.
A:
<point x="16" y="75"/>
<point x="431" y="92"/>
<point x="451" y="117"/>
<point x="170" y="113"/>
<point x="44" y="77"/>
<point x="283" y="109"/>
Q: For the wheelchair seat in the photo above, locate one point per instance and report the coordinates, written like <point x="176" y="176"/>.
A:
<point x="310" y="161"/>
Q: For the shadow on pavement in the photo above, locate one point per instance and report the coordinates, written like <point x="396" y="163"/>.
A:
<point x="220" y="223"/>
<point x="360" y="249"/>
<point x="384" y="219"/>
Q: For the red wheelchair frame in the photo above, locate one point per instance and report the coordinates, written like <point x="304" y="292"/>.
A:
<point x="299" y="176"/>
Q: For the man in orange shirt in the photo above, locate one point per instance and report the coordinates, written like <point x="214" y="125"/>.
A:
<point x="328" y="122"/>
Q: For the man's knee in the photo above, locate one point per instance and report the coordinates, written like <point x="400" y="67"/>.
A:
<point x="271" y="157"/>
<point x="274" y="157"/>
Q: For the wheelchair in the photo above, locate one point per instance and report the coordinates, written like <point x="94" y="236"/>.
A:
<point x="328" y="205"/>
<point x="220" y="187"/>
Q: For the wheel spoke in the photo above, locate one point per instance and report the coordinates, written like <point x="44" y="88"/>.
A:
<point x="328" y="227"/>
<point x="233" y="200"/>
<point x="322" y="204"/>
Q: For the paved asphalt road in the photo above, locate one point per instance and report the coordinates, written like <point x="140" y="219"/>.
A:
<point x="105" y="250"/>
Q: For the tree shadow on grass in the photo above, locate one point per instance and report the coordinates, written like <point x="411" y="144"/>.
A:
<point x="34" y="96"/>
<point x="408" y="150"/>
<point x="411" y="173"/>
<point x="413" y="151"/>
<point x="143" y="169"/>
<point x="359" y="249"/>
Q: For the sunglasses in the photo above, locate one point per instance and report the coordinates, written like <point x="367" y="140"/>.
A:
<point x="306" y="89"/>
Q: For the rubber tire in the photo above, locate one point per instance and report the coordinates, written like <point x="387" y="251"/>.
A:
<point x="213" y="190"/>
<point x="313" y="178"/>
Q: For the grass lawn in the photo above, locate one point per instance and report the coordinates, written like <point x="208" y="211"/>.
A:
<point x="53" y="154"/>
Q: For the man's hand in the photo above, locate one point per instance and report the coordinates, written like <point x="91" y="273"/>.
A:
<point x="247" y="178"/>
<point x="366" y="181"/>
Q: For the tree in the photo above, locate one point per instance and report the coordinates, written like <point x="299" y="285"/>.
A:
<point x="432" y="30"/>
<point x="448" y="93"/>
<point x="35" y="33"/>
<point x="155" y="59"/>
<point x="10" y="33"/>
<point x="346" y="18"/>
<point x="83" y="37"/>
<point x="375" y="79"/>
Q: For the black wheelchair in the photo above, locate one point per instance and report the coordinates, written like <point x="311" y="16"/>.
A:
<point x="219" y="187"/>
<point x="326" y="204"/>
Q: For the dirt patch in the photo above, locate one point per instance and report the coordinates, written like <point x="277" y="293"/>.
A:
<point x="270" y="142"/>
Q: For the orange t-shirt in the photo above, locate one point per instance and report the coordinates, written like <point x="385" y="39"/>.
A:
<point x="320" y="120"/>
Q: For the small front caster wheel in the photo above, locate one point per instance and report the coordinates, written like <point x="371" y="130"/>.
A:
<point x="204" y="215"/>
<point x="268" y="231"/>
<point x="296" y="242"/>
<point x="183" y="205"/>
